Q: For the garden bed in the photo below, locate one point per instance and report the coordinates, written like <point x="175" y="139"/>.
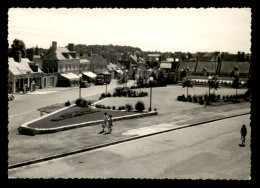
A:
<point x="97" y="114"/>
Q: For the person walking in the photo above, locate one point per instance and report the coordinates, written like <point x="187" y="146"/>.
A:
<point x="243" y="132"/>
<point x="110" y="123"/>
<point x="104" y="124"/>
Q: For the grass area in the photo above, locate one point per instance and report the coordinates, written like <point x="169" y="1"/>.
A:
<point x="47" y="122"/>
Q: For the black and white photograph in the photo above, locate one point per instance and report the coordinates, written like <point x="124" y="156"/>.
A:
<point x="119" y="93"/>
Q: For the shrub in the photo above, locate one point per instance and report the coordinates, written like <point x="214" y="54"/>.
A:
<point x="139" y="106"/>
<point x="200" y="97"/>
<point x="205" y="97"/>
<point x="223" y="97"/>
<point x="120" y="108"/>
<point x="108" y="107"/>
<point x="81" y="102"/>
<point x="195" y="99"/>
<point x="128" y="107"/>
<point x="123" y="107"/>
<point x="114" y="94"/>
<point x="113" y="107"/>
<point x="212" y="97"/>
<point x="103" y="95"/>
<point x="103" y="106"/>
<point x="179" y="98"/>
<point x="108" y="95"/>
<point x="201" y="102"/>
<point x="67" y="103"/>
<point x="89" y="103"/>
<point x="218" y="97"/>
<point x="189" y="98"/>
<point x="84" y="103"/>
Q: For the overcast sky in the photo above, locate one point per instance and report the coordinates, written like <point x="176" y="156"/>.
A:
<point x="186" y="30"/>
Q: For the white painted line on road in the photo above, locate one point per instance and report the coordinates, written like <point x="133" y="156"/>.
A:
<point x="100" y="101"/>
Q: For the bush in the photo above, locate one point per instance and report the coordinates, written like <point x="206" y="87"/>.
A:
<point x="218" y="97"/>
<point x="114" y="94"/>
<point x="113" y="107"/>
<point x="81" y="102"/>
<point x="67" y="103"/>
<point x="108" y="95"/>
<point x="189" y="98"/>
<point x="213" y="97"/>
<point x="84" y="103"/>
<point x="139" y="106"/>
<point x="108" y="107"/>
<point x="120" y="108"/>
<point x="195" y="99"/>
<point x="103" y="95"/>
<point x="128" y="107"/>
<point x="201" y="102"/>
<point x="123" y="107"/>
<point x="89" y="103"/>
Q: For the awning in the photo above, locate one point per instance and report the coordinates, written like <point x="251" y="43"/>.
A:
<point x="84" y="61"/>
<point x="70" y="76"/>
<point x="89" y="74"/>
<point x="119" y="71"/>
<point x="166" y="65"/>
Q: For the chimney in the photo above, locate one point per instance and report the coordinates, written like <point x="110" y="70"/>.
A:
<point x="18" y="56"/>
<point x="54" y="45"/>
<point x="71" y="47"/>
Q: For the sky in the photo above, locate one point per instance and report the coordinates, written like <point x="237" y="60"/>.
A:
<point x="165" y="30"/>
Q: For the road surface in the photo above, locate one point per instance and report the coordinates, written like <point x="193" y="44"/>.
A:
<point x="207" y="151"/>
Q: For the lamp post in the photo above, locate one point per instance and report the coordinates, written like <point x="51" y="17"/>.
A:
<point x="151" y="80"/>
<point x="80" y="75"/>
<point x="209" y="80"/>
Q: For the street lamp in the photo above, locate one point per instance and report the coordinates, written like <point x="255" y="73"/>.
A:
<point x="80" y="76"/>
<point x="209" y="80"/>
<point x="151" y="80"/>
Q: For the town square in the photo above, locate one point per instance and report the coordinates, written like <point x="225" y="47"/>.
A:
<point x="116" y="108"/>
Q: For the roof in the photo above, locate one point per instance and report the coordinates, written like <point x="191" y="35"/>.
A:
<point x="154" y="55"/>
<point x="165" y="65"/>
<point x="134" y="57"/>
<point x="70" y="76"/>
<point x="210" y="65"/>
<point x="89" y="74"/>
<point x="112" y="66"/>
<point x="19" y="68"/>
<point x="184" y="64"/>
<point x="227" y="67"/>
<point x="169" y="59"/>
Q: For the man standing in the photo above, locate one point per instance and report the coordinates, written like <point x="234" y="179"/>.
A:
<point x="243" y="132"/>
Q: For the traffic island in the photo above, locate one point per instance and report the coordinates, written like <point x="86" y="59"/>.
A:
<point x="76" y="117"/>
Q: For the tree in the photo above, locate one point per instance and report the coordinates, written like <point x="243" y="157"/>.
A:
<point x="236" y="83"/>
<point x="123" y="79"/>
<point x="187" y="82"/>
<point x="236" y="80"/>
<point x="18" y="45"/>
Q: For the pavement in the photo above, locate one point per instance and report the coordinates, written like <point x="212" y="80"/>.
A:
<point x="206" y="151"/>
<point x="47" y="146"/>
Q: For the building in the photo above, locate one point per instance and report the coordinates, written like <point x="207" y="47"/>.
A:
<point x="153" y="57"/>
<point x="21" y="77"/>
<point x="64" y="62"/>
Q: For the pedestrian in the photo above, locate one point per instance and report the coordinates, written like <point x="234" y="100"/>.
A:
<point x="243" y="132"/>
<point x="110" y="123"/>
<point x="104" y="124"/>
